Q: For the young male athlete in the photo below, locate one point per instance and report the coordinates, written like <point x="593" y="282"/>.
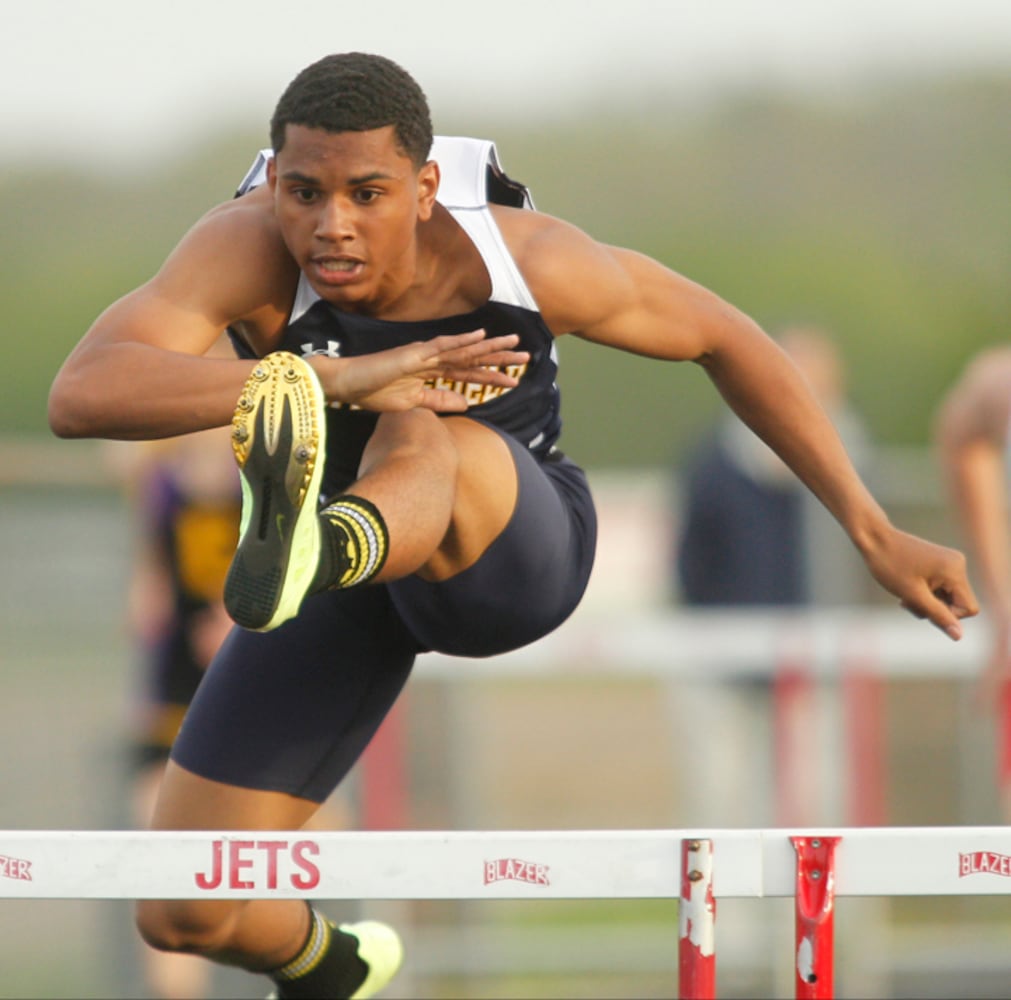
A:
<point x="399" y="428"/>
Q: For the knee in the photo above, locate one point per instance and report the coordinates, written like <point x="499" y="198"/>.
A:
<point x="191" y="926"/>
<point x="411" y="435"/>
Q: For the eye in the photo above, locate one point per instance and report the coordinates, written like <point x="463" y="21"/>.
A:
<point x="305" y="196"/>
<point x="365" y="196"/>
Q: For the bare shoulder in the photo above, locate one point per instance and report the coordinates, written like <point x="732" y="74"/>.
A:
<point x="243" y="230"/>
<point x="233" y="263"/>
<point x="566" y="270"/>
<point x="615" y="296"/>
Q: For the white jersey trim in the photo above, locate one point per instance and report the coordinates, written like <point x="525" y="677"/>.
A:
<point x="463" y="189"/>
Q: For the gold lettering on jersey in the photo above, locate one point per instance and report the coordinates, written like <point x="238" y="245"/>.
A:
<point x="475" y="392"/>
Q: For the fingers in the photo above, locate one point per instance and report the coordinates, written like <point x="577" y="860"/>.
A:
<point x="951" y="601"/>
<point x="962" y="601"/>
<point x="503" y="358"/>
<point x="942" y="609"/>
<point x="938" y="615"/>
<point x="449" y="342"/>
<point x="472" y="357"/>
<point x="475" y="347"/>
<point x="444" y="401"/>
<point x="479" y="375"/>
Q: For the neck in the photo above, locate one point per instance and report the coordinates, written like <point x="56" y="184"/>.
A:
<point x="446" y="277"/>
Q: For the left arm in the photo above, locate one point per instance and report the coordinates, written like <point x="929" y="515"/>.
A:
<point x="626" y="300"/>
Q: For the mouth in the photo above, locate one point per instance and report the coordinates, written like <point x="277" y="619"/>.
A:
<point x="336" y="270"/>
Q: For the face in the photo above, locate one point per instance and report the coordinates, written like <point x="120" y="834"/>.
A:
<point x="348" y="205"/>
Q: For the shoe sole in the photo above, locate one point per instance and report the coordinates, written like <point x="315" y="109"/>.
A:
<point x="278" y="438"/>
<point x="380" y="948"/>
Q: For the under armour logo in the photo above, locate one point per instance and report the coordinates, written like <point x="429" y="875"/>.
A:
<point x="332" y="350"/>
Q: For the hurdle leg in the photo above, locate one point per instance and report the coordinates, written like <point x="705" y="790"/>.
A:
<point x="697" y="922"/>
<point x="815" y="921"/>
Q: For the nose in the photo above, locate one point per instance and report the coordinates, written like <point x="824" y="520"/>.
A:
<point x="335" y="222"/>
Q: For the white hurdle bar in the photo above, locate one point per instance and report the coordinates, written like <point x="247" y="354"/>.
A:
<point x="695" y="867"/>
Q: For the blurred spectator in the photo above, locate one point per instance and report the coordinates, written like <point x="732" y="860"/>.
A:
<point x="752" y="536"/>
<point x="972" y="434"/>
<point x="748" y="527"/>
<point x="183" y="495"/>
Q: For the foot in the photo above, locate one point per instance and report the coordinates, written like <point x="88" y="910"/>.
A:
<point x="279" y="437"/>
<point x="380" y="949"/>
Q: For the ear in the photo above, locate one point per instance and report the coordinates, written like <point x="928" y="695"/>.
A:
<point x="428" y="187"/>
<point x="272" y="174"/>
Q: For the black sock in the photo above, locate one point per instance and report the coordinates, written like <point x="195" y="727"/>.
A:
<point x="327" y="966"/>
<point x="354" y="543"/>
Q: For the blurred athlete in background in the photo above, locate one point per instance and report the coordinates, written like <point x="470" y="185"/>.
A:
<point x="972" y="435"/>
<point x="185" y="504"/>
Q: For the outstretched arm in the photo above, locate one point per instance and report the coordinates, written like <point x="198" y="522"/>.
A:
<point x="141" y="370"/>
<point x="626" y="300"/>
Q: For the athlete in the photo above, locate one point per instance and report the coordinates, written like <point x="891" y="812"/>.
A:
<point x="973" y="433"/>
<point x="397" y="432"/>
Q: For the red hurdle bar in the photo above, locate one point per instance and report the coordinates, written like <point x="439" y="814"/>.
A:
<point x="697" y="922"/>
<point x="815" y="909"/>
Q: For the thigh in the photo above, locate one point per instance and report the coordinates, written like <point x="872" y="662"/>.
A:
<point x="527" y="581"/>
<point x="291" y="710"/>
<point x="484" y="496"/>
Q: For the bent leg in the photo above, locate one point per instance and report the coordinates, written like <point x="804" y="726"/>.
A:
<point x="446" y="488"/>
<point x="526" y="582"/>
<point x="278" y="720"/>
<point x="257" y="935"/>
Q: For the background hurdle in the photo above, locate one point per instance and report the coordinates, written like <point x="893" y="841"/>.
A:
<point x="697" y="867"/>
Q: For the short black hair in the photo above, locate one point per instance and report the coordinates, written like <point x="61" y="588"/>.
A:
<point x="356" y="92"/>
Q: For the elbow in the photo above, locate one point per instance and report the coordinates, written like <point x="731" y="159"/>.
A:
<point x="67" y="415"/>
<point x="63" y="424"/>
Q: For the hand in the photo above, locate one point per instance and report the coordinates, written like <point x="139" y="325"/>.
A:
<point x="397" y="379"/>
<point x="929" y="580"/>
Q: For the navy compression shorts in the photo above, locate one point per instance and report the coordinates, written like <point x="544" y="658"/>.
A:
<point x="291" y="710"/>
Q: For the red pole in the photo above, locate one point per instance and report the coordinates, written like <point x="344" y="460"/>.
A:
<point x="697" y="922"/>
<point x="384" y="788"/>
<point x="795" y="734"/>
<point x="863" y="698"/>
<point x="815" y="909"/>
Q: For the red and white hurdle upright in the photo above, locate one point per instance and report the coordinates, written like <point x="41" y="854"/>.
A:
<point x="815" y="867"/>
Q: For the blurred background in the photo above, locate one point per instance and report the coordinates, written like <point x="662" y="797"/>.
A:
<point x="837" y="166"/>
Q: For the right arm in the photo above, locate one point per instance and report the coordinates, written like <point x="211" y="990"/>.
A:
<point x="139" y="371"/>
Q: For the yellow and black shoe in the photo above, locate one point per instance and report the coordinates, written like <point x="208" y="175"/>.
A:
<point x="279" y="440"/>
<point x="378" y="951"/>
<point x="379" y="947"/>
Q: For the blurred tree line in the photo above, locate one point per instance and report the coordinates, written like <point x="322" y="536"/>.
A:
<point x="884" y="218"/>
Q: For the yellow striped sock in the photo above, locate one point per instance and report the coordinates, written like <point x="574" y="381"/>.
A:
<point x="362" y="541"/>
<point x="309" y="957"/>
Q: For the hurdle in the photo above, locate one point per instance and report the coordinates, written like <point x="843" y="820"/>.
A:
<point x="694" y="867"/>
